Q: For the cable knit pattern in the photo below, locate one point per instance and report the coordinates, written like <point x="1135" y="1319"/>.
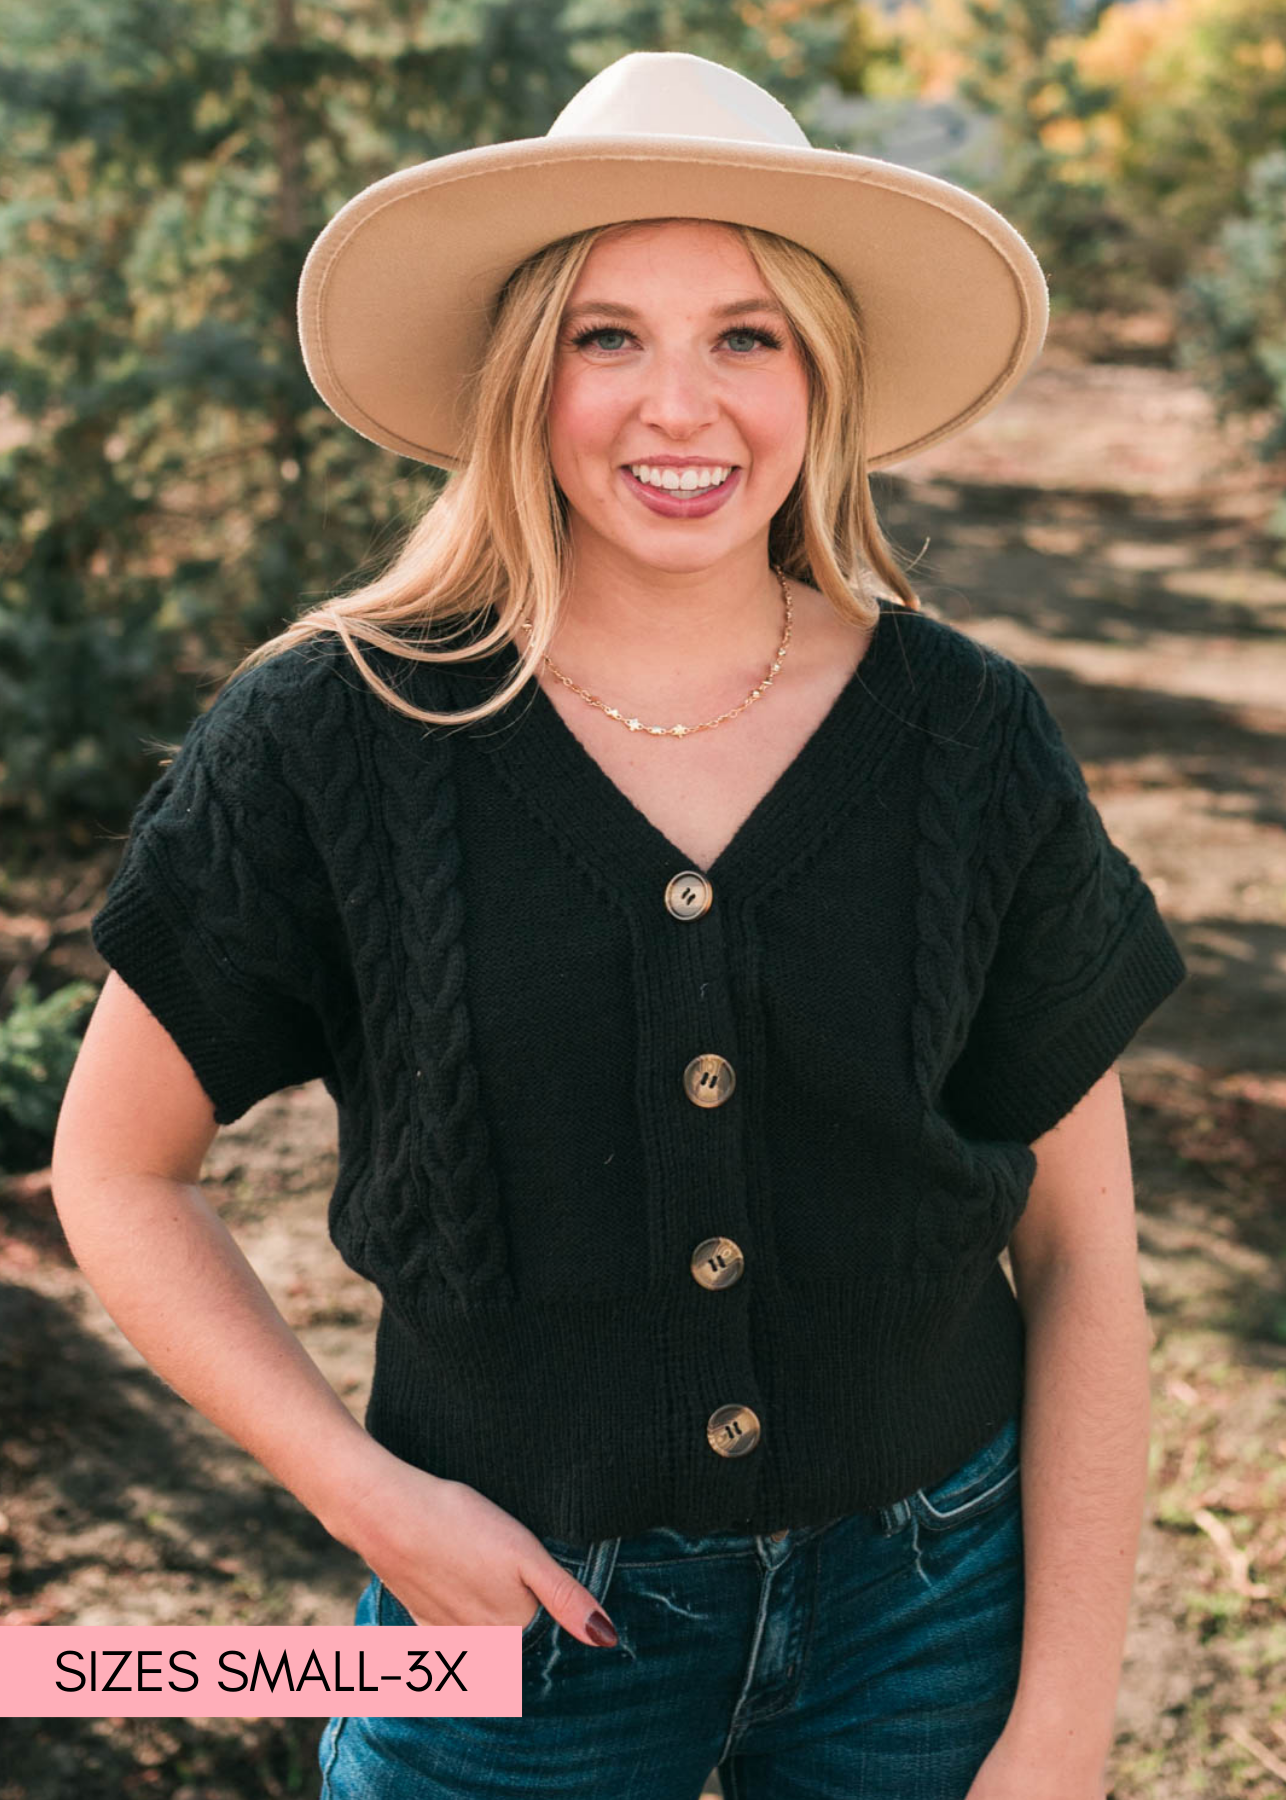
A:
<point x="450" y="1178"/>
<point x="1076" y="949"/>
<point x="956" y="913"/>
<point x="921" y="950"/>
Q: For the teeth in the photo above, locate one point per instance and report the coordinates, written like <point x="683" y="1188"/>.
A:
<point x="684" y="480"/>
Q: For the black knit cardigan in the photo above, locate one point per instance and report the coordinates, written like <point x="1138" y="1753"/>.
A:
<point x="921" y="950"/>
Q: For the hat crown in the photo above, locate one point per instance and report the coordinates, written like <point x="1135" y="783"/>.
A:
<point x="671" y="93"/>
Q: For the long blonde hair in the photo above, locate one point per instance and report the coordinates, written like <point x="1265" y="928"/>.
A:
<point x="496" y="535"/>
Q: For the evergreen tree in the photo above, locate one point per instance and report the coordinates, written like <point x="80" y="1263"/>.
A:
<point x="179" y="491"/>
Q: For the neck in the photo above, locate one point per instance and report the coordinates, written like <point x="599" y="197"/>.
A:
<point x="665" y="629"/>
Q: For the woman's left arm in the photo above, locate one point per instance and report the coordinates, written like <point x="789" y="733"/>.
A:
<point x="1084" y="1446"/>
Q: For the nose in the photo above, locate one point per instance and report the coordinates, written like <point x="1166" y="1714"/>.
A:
<point x="679" y="398"/>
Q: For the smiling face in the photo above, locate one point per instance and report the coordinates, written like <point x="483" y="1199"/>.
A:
<point x="671" y="367"/>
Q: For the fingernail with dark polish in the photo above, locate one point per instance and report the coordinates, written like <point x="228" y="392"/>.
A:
<point x="601" y="1628"/>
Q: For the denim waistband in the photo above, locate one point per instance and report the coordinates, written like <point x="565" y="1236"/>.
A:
<point x="662" y="1543"/>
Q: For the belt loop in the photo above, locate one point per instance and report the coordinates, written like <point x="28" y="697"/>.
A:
<point x="894" y="1518"/>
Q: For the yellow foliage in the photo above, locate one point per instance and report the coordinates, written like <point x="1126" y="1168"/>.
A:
<point x="1128" y="33"/>
<point x="1066" y="137"/>
<point x="1049" y="98"/>
<point x="1146" y="41"/>
<point x="1189" y="93"/>
<point x="1163" y="60"/>
<point x="1140" y="47"/>
<point x="778" y="16"/>
<point x="1109" y="134"/>
<point x="1271" y="54"/>
<point x="933" y="37"/>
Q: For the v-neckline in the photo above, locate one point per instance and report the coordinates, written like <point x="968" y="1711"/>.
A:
<point x="556" y="773"/>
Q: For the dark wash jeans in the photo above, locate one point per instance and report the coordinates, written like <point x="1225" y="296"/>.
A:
<point x="872" y="1658"/>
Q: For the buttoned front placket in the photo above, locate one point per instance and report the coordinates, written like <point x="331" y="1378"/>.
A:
<point x="698" y="1106"/>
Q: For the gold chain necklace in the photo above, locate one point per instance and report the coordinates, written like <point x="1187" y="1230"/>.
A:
<point x="709" y="725"/>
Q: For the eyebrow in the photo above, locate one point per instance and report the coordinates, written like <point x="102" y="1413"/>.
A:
<point x="756" y="303"/>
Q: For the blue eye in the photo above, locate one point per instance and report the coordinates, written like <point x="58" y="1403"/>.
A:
<point x="600" y="331"/>
<point x="766" y="339"/>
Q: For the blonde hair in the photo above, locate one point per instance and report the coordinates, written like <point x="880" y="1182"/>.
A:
<point x="496" y="534"/>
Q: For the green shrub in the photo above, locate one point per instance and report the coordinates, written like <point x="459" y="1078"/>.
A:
<point x="39" y="1040"/>
<point x="1233" y="310"/>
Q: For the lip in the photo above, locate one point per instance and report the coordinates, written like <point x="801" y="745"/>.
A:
<point x="688" y="506"/>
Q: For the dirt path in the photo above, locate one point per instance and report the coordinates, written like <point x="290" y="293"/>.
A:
<point x="1099" y="530"/>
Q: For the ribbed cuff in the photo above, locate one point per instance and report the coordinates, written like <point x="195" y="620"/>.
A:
<point x="140" y="931"/>
<point x="1035" y="1070"/>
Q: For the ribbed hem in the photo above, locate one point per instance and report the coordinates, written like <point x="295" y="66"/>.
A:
<point x="585" y="1424"/>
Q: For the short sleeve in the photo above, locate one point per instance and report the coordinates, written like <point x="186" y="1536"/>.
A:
<point x="217" y="915"/>
<point x="1081" y="955"/>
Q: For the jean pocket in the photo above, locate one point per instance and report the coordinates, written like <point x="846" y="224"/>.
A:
<point x="592" y="1567"/>
<point x="986" y="1479"/>
<point x="542" y="1618"/>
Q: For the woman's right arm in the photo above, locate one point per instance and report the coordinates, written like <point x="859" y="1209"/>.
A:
<point x="132" y="1137"/>
<point x="131" y="1140"/>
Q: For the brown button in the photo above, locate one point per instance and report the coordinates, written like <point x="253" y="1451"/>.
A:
<point x="777" y="1536"/>
<point x="708" y="1080"/>
<point x="732" y="1430"/>
<point x="717" y="1262"/>
<point x="688" y="894"/>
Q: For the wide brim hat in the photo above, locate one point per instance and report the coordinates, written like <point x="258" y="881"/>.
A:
<point x="396" y="293"/>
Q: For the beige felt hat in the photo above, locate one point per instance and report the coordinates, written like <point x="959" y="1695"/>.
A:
<point x="395" y="293"/>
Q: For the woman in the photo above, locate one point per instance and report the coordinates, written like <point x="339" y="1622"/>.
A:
<point x="688" y="1091"/>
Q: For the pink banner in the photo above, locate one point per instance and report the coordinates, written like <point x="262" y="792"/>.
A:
<point x="259" y="1671"/>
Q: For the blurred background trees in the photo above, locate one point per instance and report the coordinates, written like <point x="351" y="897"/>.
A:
<point x="172" y="490"/>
